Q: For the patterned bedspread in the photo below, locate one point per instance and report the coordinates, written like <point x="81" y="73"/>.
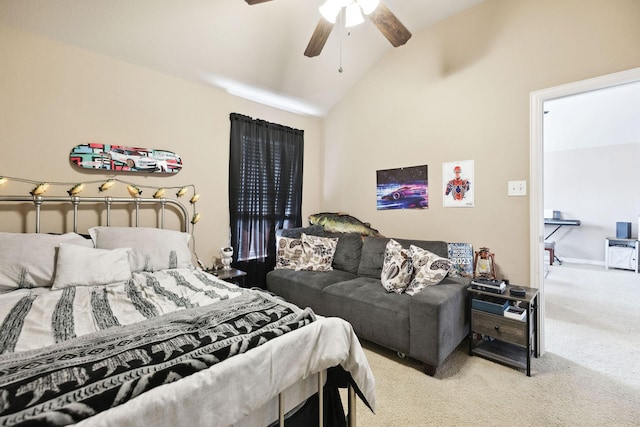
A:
<point x="153" y="330"/>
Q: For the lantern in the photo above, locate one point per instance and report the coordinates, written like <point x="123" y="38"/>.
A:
<point x="484" y="265"/>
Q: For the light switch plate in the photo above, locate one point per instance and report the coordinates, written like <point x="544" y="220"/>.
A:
<point x="517" y="188"/>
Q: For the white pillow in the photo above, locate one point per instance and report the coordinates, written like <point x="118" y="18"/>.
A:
<point x="153" y="249"/>
<point x="429" y="269"/>
<point x="28" y="260"/>
<point x="396" y="267"/>
<point x="80" y="266"/>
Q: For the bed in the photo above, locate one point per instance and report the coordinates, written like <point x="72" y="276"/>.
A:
<point x="118" y="328"/>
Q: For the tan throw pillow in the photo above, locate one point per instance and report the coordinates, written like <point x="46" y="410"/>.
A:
<point x="289" y="253"/>
<point x="429" y="269"/>
<point x="396" y="268"/>
<point x="318" y="252"/>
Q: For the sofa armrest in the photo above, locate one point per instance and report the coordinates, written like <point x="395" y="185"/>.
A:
<point x="438" y="320"/>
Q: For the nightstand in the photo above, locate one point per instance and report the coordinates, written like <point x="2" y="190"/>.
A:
<point x="621" y="253"/>
<point x="503" y="339"/>
<point x="232" y="275"/>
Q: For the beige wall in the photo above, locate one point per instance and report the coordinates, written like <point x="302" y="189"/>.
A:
<point x="457" y="91"/>
<point x="53" y="97"/>
<point x="460" y="91"/>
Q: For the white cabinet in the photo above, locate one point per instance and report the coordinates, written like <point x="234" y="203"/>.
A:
<point x="621" y="253"/>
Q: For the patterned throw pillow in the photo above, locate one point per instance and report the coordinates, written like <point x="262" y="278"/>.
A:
<point x="318" y="252"/>
<point x="290" y="254"/>
<point x="397" y="267"/>
<point x="430" y="269"/>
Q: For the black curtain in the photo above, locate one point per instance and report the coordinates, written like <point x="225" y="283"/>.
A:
<point x="265" y="191"/>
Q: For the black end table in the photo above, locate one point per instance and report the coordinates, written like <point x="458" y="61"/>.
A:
<point x="513" y="341"/>
<point x="231" y="275"/>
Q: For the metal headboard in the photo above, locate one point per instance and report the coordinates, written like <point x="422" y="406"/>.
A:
<point x="75" y="201"/>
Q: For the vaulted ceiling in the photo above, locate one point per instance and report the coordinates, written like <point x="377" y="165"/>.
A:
<point x="253" y="51"/>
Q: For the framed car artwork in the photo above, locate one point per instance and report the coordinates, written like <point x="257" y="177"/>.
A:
<point x="402" y="188"/>
<point x="120" y="158"/>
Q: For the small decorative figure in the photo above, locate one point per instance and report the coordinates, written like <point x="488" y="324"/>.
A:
<point x="227" y="257"/>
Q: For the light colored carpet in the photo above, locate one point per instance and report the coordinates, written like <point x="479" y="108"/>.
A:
<point x="593" y="319"/>
<point x="588" y="377"/>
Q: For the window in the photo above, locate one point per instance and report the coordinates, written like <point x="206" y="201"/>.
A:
<point x="265" y="190"/>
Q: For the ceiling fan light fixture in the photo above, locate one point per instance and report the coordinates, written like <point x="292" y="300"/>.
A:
<point x="368" y="6"/>
<point x="330" y="9"/>
<point x="353" y="15"/>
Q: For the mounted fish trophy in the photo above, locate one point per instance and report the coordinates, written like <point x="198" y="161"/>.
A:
<point x="338" y="222"/>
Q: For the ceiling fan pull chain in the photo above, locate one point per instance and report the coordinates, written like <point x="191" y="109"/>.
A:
<point x="341" y="29"/>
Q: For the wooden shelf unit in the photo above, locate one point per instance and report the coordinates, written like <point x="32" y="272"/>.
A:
<point x="503" y="339"/>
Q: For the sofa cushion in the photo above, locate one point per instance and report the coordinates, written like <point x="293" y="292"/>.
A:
<point x="428" y="269"/>
<point x="396" y="268"/>
<point x="373" y="249"/>
<point x="444" y="309"/>
<point x="376" y="315"/>
<point x="316" y="230"/>
<point x="304" y="288"/>
<point x="347" y="255"/>
<point x="348" y="252"/>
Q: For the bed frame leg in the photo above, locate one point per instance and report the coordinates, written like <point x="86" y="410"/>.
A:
<point x="351" y="406"/>
<point x="321" y="399"/>
<point x="281" y="409"/>
<point x="320" y="403"/>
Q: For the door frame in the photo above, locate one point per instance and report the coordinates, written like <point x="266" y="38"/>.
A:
<point x="536" y="171"/>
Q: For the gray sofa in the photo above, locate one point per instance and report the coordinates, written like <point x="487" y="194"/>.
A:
<point x="427" y="326"/>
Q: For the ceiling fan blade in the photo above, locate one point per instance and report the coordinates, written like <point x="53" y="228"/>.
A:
<point x="389" y="25"/>
<point x="319" y="38"/>
<point x="251" y="2"/>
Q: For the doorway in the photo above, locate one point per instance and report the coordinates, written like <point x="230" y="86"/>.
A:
<point x="537" y="100"/>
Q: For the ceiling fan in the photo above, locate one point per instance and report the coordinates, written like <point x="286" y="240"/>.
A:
<point x="375" y="10"/>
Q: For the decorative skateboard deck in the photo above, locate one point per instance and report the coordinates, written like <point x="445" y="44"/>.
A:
<point x="99" y="156"/>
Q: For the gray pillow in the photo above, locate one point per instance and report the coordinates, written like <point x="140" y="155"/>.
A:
<point x="372" y="258"/>
<point x="373" y="253"/>
<point x="153" y="249"/>
<point x="296" y="233"/>
<point x="28" y="259"/>
<point x="347" y="256"/>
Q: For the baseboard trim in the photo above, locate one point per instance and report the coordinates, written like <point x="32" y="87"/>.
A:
<point x="582" y="261"/>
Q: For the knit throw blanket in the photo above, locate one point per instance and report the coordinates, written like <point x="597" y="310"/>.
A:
<point x="75" y="379"/>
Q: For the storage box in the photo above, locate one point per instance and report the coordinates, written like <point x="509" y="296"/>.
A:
<point x="490" y="305"/>
<point x="514" y="312"/>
